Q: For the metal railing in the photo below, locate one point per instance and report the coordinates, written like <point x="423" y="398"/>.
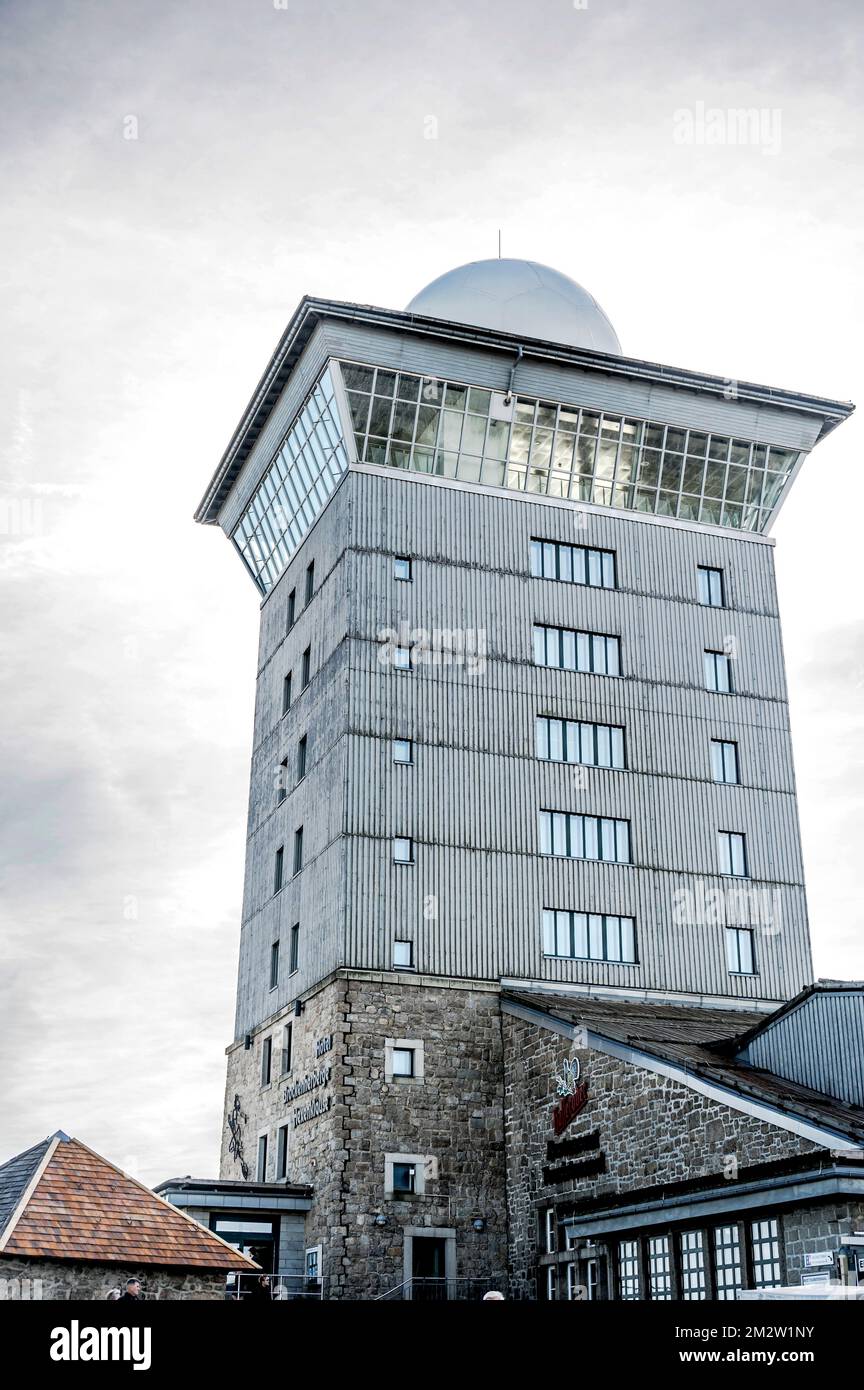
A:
<point x="272" y="1288"/>
<point x="441" y="1290"/>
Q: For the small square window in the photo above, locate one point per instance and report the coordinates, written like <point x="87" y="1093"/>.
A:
<point x="403" y="955"/>
<point x="403" y="851"/>
<point x="403" y="1061"/>
<point x="711" y="587"/>
<point x="403" y="750"/>
<point x="402" y="658"/>
<point x="402" y="567"/>
<point x="404" y="1177"/>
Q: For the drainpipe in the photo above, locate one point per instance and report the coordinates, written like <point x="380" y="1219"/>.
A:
<point x="520" y="353"/>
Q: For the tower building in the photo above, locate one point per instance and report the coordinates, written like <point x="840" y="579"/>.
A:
<point x="521" y="729"/>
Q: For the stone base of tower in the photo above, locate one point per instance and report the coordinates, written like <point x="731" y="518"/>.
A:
<point x="407" y="1169"/>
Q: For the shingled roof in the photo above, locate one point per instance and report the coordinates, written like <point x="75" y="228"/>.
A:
<point x="61" y="1201"/>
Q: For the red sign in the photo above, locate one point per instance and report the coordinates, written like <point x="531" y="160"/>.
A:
<point x="568" y="1108"/>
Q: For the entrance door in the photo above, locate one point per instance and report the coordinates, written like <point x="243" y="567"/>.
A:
<point x="428" y="1268"/>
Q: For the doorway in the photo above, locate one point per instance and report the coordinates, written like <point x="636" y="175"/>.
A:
<point x="429" y="1269"/>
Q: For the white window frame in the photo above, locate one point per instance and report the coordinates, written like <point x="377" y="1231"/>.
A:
<point x="403" y="743"/>
<point x="403" y="840"/>
<point x="402" y="941"/>
<point x="419" y="1162"/>
<point x="414" y="1045"/>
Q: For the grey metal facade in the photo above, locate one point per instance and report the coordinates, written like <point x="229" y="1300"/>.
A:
<point x="819" y="1043"/>
<point x="472" y="900"/>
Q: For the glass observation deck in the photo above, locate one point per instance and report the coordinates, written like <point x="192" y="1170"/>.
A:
<point x="545" y="448"/>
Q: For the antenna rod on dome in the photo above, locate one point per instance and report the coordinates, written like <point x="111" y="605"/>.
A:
<point x="499" y="243"/>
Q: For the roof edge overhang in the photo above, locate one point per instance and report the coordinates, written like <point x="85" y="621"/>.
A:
<point x="311" y="311"/>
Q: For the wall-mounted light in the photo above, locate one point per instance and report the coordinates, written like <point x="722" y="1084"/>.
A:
<point x="479" y="1223"/>
<point x="380" y="1219"/>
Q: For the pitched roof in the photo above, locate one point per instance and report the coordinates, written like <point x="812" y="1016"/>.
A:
<point x="83" y="1208"/>
<point x="699" y="1041"/>
<point x="14" y="1177"/>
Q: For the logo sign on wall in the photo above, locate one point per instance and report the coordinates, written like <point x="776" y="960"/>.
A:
<point x="573" y="1093"/>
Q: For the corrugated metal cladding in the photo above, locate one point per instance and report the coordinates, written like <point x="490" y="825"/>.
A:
<point x="819" y="1044"/>
<point x="472" y="901"/>
<point x="414" y="352"/>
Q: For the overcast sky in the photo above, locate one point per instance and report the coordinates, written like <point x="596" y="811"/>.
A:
<point x="284" y="149"/>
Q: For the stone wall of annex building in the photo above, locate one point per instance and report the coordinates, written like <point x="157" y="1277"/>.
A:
<point x="652" y="1130"/>
<point x="74" y="1281"/>
<point x="448" y="1121"/>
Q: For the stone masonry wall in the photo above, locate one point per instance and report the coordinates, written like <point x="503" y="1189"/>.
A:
<point x="652" y="1130"/>
<point x="452" y="1116"/>
<point x="62" y="1281"/>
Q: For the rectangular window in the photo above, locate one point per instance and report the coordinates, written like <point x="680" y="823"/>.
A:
<point x="282" y="1152"/>
<point x="301" y="758"/>
<point x="286" y="693"/>
<point x="274" y="965"/>
<point x="294" y="962"/>
<point x="287" y="1042"/>
<point x="403" y="751"/>
<point x="310" y="581"/>
<point x="569" y="741"/>
<point x="694" y="1275"/>
<point x="628" y="1270"/>
<point x="278" y="869"/>
<point x="710" y="587"/>
<point x="403" y="1061"/>
<point x="660" y="1268"/>
<point x="298" y="849"/>
<point x="551" y="1283"/>
<point x="402" y="658"/>
<point x="282" y="781"/>
<point x="550" y="1231"/>
<point x="403" y="955"/>
<point x="591" y="652"/>
<point x="733" y="853"/>
<point x="261" y="1170"/>
<point x="402" y="567"/>
<point x="266" y="1060"/>
<point x="724" y="761"/>
<point x="307" y="668"/>
<point x="584" y="837"/>
<point x="292" y="610"/>
<point x="765" y="1249"/>
<point x="740" y="956"/>
<point x="574" y="564"/>
<point x="404" y="1177"/>
<point x="403" y="851"/>
<point x="727" y="1262"/>
<point x="313" y="1265"/>
<point x="589" y="936"/>
<point x="718" y="672"/>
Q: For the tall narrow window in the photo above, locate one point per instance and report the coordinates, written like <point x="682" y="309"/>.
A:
<point x="710" y="587"/>
<point x="584" y="837"/>
<point x="550" y="1231"/>
<point x="727" y="1262"/>
<point x="694" y="1275"/>
<point x="266" y="1060"/>
<point x="628" y="1270"/>
<point x="310" y="580"/>
<point x="287" y="1040"/>
<point x="295" y="948"/>
<point x="307" y="667"/>
<point x="301" y="759"/>
<point x="733" y="853"/>
<point x="660" y="1268"/>
<point x="282" y="780"/>
<point x="278" y="869"/>
<point x="274" y="965"/>
<point x="282" y="1152"/>
<point x="592" y="652"/>
<point x="740" y="956"/>
<point x="292" y="610"/>
<point x="286" y="693"/>
<point x="573" y="564"/>
<point x="298" y="849"/>
<point x="261" y="1170"/>
<point x="724" y="761"/>
<point x="765" y="1248"/>
<point x="718" y="672"/>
